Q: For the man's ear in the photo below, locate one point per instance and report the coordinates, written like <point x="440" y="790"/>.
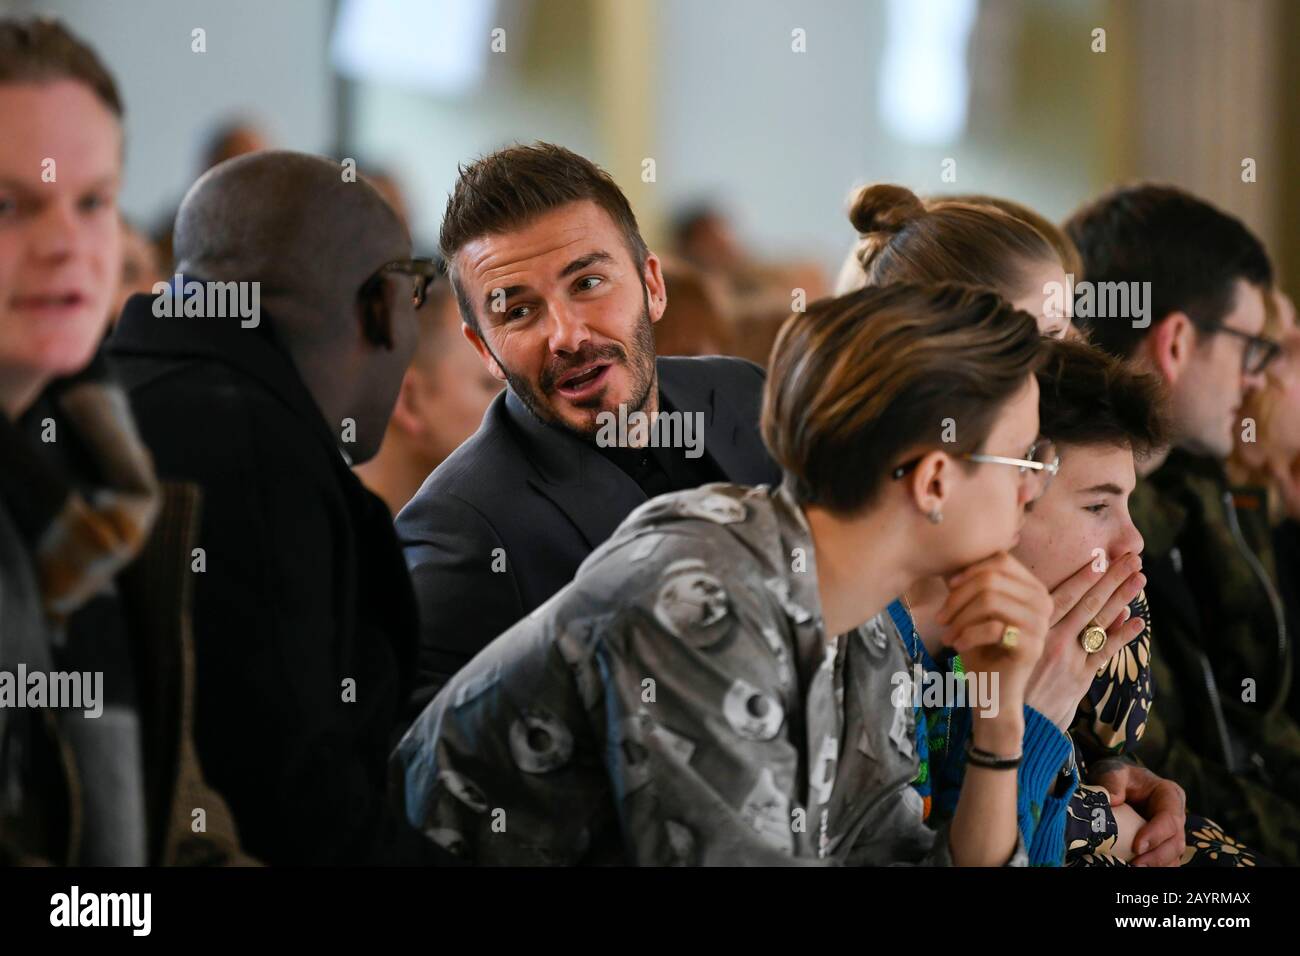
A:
<point x="406" y="416"/>
<point x="377" y="320"/>
<point x="485" y="353"/>
<point x="653" y="275"/>
<point x="931" y="484"/>
<point x="1169" y="345"/>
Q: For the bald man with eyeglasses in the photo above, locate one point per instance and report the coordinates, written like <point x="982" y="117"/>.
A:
<point x="304" y="619"/>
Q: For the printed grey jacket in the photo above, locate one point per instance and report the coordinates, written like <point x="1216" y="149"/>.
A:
<point x="678" y="703"/>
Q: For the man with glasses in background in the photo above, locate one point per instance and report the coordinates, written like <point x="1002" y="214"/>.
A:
<point x="304" y="618"/>
<point x="1221" y="657"/>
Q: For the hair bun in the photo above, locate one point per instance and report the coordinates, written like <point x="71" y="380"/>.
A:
<point x="884" y="208"/>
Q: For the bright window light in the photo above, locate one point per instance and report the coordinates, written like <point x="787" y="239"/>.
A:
<point x="438" y="46"/>
<point x="924" y="81"/>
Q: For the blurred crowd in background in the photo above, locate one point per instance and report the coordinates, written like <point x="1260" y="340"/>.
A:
<point x="740" y="135"/>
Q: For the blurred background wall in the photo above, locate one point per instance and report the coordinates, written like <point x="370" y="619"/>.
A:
<point x="770" y="110"/>
<point x="266" y="61"/>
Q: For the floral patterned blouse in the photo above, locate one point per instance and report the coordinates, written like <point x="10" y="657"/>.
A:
<point x="1110" y="722"/>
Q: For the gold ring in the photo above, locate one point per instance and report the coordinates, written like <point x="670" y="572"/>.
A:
<point x="1011" y="636"/>
<point x="1093" y="638"/>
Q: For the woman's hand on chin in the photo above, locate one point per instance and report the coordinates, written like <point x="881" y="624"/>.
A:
<point x="996" y="616"/>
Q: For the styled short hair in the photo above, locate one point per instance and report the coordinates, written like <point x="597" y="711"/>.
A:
<point x="509" y="188"/>
<point x="1089" y="397"/>
<point x="903" y="239"/>
<point x="857" y="380"/>
<point x="42" y="50"/>
<point x="1190" y="252"/>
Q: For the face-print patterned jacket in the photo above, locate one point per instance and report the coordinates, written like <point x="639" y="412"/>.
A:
<point x="678" y="703"/>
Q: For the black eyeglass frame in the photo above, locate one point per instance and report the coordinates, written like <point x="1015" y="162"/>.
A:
<point x="375" y="320"/>
<point x="1272" y="348"/>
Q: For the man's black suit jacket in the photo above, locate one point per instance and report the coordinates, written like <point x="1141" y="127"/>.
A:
<point x="503" y="523"/>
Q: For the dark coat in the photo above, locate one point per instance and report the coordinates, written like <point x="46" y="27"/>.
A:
<point x="158" y="595"/>
<point x="302" y="590"/>
<point x="155" y="593"/>
<point x="1215" y="622"/>
<point x="538" y="500"/>
<point x="131" y="625"/>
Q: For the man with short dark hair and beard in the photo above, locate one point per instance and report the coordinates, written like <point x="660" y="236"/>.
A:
<point x="558" y="294"/>
<point x="722" y="665"/>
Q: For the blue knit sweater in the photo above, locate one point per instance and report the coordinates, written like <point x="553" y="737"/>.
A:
<point x="1046" y="778"/>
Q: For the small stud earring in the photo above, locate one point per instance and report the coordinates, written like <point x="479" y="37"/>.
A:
<point x="935" y="516"/>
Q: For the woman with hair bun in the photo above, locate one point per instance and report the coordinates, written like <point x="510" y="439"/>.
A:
<point x="976" y="240"/>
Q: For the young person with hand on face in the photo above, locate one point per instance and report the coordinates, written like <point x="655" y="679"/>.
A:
<point x="935" y="608"/>
<point x="1103" y="416"/>
<point x="1079" y="541"/>
<point x="754" y="619"/>
<point x="1221" y="658"/>
<point x="989" y="242"/>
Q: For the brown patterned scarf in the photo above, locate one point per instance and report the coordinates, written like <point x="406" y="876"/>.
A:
<point x="80" y="540"/>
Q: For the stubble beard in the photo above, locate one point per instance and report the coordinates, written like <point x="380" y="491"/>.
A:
<point x="641" y="365"/>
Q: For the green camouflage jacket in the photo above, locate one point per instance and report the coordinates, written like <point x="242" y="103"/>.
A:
<point x="1220" y="655"/>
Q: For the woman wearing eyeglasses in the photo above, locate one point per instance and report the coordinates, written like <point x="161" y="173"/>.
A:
<point x="1003" y="247"/>
<point x="720" y="684"/>
<point x="1080" y="541"/>
<point x="1048" y="777"/>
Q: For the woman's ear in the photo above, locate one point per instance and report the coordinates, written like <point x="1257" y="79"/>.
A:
<point x="931" y="484"/>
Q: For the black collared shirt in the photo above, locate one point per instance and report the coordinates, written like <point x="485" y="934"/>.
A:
<point x="660" y="470"/>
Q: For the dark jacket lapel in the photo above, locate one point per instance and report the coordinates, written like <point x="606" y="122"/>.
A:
<point x="726" y="442"/>
<point x="594" y="493"/>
